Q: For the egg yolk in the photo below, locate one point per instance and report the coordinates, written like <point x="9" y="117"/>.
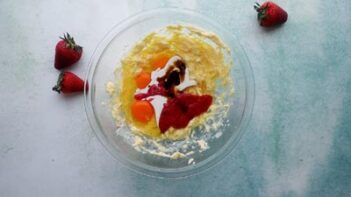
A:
<point x="160" y="60"/>
<point x="142" y="111"/>
<point x="143" y="79"/>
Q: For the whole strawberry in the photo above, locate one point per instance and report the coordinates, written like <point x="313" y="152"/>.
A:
<point x="68" y="83"/>
<point x="270" y="14"/>
<point x="67" y="52"/>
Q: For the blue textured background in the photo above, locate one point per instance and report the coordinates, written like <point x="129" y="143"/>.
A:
<point x="298" y="142"/>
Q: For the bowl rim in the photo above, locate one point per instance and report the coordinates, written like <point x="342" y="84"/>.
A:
<point x="148" y="170"/>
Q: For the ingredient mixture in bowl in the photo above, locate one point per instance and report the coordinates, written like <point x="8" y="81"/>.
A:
<point x="173" y="90"/>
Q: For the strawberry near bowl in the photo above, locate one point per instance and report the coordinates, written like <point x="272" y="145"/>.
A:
<point x="206" y="143"/>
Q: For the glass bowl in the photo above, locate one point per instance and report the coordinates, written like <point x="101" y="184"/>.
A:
<point x="103" y="63"/>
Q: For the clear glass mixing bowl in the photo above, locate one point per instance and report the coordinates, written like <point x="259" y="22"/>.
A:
<point x="103" y="63"/>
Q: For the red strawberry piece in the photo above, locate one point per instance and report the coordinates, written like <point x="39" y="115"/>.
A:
<point x="67" y="52"/>
<point x="68" y="83"/>
<point x="179" y="111"/>
<point x="196" y="104"/>
<point x="170" y="115"/>
<point x="153" y="90"/>
<point x="270" y="14"/>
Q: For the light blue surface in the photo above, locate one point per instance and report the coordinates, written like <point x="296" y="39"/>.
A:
<point x="298" y="142"/>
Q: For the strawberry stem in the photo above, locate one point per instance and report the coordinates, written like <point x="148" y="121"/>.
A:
<point x="261" y="11"/>
<point x="58" y="87"/>
<point x="257" y="7"/>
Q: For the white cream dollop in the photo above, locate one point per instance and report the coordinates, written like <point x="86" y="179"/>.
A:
<point x="157" y="102"/>
<point x="186" y="83"/>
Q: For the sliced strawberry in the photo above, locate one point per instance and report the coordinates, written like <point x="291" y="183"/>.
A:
<point x="196" y="104"/>
<point x="179" y="111"/>
<point x="153" y="90"/>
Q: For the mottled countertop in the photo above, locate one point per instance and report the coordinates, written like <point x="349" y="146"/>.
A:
<point x="298" y="142"/>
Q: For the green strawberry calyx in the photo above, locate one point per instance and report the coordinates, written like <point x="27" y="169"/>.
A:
<point x="261" y="11"/>
<point x="70" y="43"/>
<point x="58" y="86"/>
